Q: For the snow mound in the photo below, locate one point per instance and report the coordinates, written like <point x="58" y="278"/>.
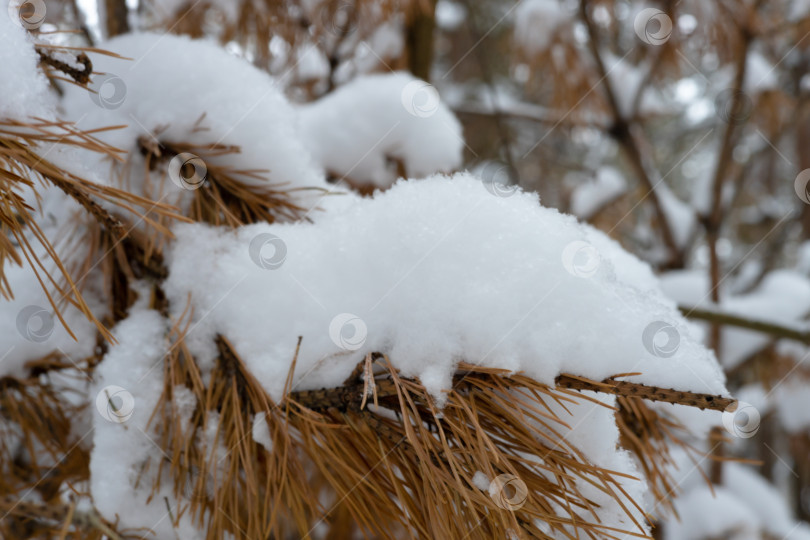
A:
<point x="432" y="272"/>
<point x="361" y="129"/>
<point x="127" y="391"/>
<point x="172" y="88"/>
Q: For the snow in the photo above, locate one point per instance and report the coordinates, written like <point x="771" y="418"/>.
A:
<point x="680" y="216"/>
<point x="122" y="439"/>
<point x="744" y="506"/>
<point x="591" y="196"/>
<point x="789" y="398"/>
<point x="312" y="63"/>
<point x="261" y="432"/>
<point x="450" y="15"/>
<point x="23" y="87"/>
<point x="360" y="128"/>
<point x="31" y="328"/>
<point x="760" y="74"/>
<point x="480" y="480"/>
<point x="793" y="405"/>
<point x="711" y="515"/>
<point x="166" y="90"/>
<point x="799" y="9"/>
<point x="537" y="21"/>
<point x="426" y="268"/>
<point x="626" y="80"/>
<point x="384" y="44"/>
<point x="594" y="432"/>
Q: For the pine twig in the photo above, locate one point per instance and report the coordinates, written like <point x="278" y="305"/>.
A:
<point x="59" y="513"/>
<point x="81" y="76"/>
<point x="650" y="393"/>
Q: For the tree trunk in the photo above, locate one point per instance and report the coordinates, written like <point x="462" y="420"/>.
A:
<point x="419" y="38"/>
<point x="115" y="14"/>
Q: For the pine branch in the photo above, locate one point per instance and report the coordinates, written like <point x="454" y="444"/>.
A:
<point x="52" y="516"/>
<point x="81" y="76"/>
<point x="621" y="131"/>
<point x="350" y="396"/>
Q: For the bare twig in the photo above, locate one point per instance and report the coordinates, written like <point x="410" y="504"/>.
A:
<point x="775" y="329"/>
<point x="714" y="220"/>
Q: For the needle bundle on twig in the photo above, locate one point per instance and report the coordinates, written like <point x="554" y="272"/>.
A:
<point x="377" y="455"/>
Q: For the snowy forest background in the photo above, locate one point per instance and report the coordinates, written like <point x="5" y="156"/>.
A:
<point x="225" y="316"/>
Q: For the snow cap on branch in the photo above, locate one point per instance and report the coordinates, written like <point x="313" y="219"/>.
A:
<point x="378" y="128"/>
<point x="432" y="272"/>
<point x="174" y="89"/>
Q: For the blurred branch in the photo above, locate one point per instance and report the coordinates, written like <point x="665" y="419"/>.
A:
<point x="774" y="329"/>
<point x="622" y="133"/>
<point x="532" y="113"/>
<point x="486" y="74"/>
<point x="714" y="220"/>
